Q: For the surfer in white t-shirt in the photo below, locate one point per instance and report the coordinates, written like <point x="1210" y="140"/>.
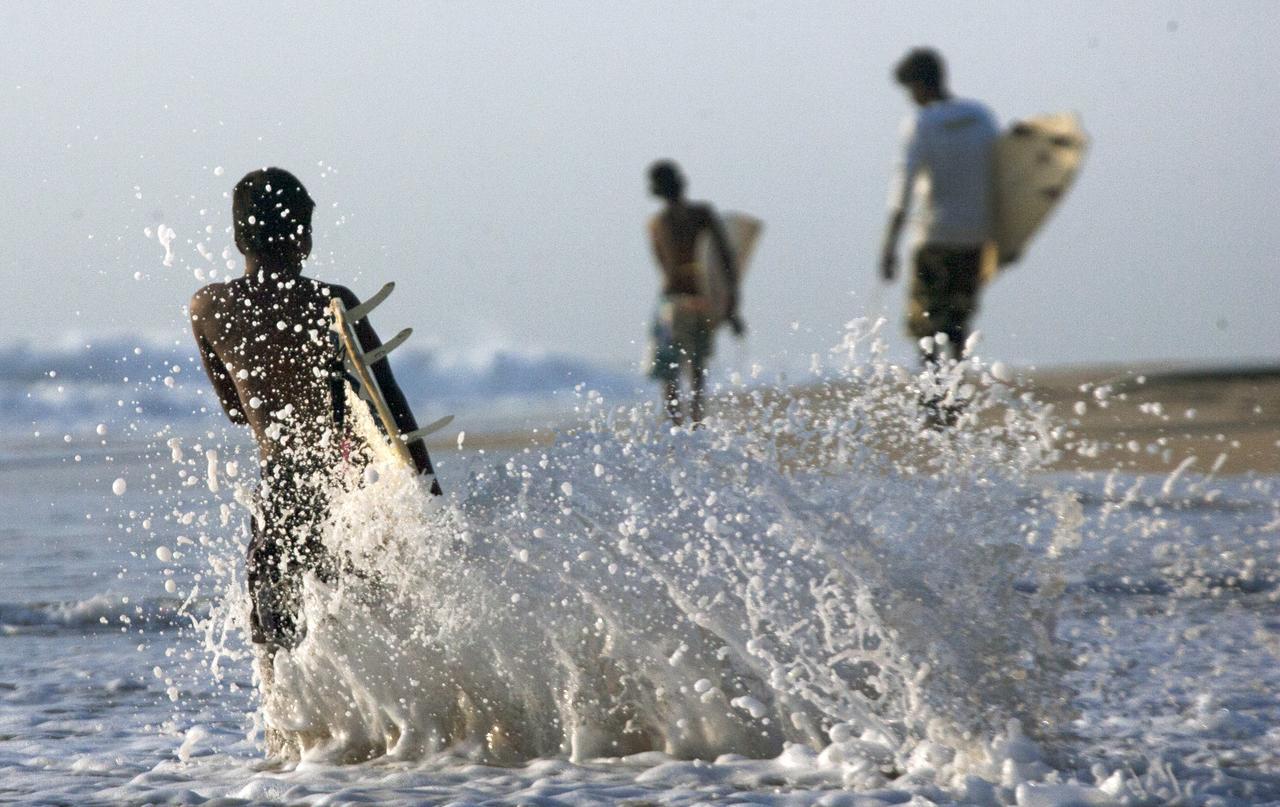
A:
<point x="948" y="147"/>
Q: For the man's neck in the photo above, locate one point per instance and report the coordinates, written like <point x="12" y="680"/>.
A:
<point x="256" y="266"/>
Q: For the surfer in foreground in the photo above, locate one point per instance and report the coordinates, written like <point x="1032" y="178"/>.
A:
<point x="950" y="142"/>
<point x="267" y="348"/>
<point x="684" y="328"/>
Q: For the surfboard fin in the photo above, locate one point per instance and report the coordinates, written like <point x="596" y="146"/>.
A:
<point x="430" y="428"/>
<point x="379" y="353"/>
<point x="361" y="311"/>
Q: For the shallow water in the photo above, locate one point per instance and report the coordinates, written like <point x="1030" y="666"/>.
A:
<point x="594" y="621"/>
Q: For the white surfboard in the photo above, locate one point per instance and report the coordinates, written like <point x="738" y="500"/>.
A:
<point x="1035" y="163"/>
<point x="742" y="231"/>
<point x="361" y="362"/>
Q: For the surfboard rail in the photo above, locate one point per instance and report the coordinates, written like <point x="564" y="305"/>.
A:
<point x="1036" y="162"/>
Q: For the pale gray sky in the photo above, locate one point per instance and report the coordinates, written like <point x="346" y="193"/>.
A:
<point x="491" y="158"/>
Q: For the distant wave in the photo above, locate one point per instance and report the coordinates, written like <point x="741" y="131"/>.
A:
<point x="80" y="380"/>
<point x="100" y="612"/>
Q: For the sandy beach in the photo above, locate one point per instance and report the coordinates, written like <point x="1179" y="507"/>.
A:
<point x="1150" y="419"/>
<point x="1135" y="418"/>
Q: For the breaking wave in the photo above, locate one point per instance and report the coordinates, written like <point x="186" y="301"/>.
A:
<point x="78" y="382"/>
<point x="100" y="612"/>
<point x="817" y="571"/>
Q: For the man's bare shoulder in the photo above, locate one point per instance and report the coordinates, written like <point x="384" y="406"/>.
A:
<point x="702" y="210"/>
<point x="207" y="300"/>
<point x="346" y="295"/>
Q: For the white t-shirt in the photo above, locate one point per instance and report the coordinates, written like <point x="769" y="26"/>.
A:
<point x="946" y="159"/>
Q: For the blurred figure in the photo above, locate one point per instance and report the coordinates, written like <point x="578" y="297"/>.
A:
<point x="683" y="330"/>
<point x="948" y="147"/>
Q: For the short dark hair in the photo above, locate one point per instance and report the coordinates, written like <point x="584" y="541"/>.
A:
<point x="271" y="211"/>
<point x="666" y="179"/>
<point x="922" y="65"/>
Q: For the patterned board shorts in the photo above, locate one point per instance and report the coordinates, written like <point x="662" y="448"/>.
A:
<point x="944" y="290"/>
<point x="682" y="334"/>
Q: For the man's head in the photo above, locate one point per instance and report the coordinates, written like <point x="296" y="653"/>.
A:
<point x="665" y="180"/>
<point x="272" y="215"/>
<point x="923" y="74"/>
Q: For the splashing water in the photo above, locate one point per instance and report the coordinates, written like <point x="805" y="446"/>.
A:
<point x="821" y="570"/>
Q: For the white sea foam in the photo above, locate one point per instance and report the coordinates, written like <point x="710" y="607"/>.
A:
<point x="771" y="583"/>
<point x="933" y="560"/>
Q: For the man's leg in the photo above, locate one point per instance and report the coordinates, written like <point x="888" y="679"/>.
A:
<point x="959" y="302"/>
<point x="270" y="622"/>
<point x="922" y="304"/>
<point x="957" y="335"/>
<point x="948" y="349"/>
<point x="281" y="745"/>
<point x="280" y="551"/>
<point x="697" y="383"/>
<point x="671" y="398"/>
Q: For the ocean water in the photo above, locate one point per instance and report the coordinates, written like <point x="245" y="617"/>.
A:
<point x="813" y="601"/>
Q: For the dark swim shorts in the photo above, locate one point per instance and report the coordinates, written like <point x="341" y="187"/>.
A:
<point x="682" y="333"/>
<point x="944" y="290"/>
<point x="286" y="544"/>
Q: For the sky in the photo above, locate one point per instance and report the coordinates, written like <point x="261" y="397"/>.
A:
<point x="491" y="158"/>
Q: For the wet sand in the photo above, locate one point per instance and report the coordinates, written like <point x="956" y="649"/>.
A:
<point x="1151" y="419"/>
<point x="1137" y="418"/>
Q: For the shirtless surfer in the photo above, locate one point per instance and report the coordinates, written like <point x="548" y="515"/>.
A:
<point x="266" y="345"/>
<point x="683" y="330"/>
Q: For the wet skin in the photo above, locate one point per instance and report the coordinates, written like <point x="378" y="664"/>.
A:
<point x="264" y="338"/>
<point x="674" y="233"/>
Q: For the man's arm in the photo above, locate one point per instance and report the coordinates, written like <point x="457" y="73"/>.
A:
<point x="396" y="401"/>
<point x="223" y="385"/>
<point x="900" y="198"/>
<point x="889" y="251"/>
<point x="655" y="244"/>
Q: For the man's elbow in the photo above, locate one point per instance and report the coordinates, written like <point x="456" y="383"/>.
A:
<point x="235" y="414"/>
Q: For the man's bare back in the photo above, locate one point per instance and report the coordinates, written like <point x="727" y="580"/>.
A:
<point x="674" y="233"/>
<point x="267" y="348"/>
<point x="266" y="345"/>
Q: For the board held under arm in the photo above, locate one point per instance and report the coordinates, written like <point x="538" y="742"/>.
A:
<point x="742" y="232"/>
<point x="1035" y="163"/>
<point x="361" y="363"/>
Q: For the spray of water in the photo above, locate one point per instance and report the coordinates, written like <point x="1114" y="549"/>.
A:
<point x="815" y="570"/>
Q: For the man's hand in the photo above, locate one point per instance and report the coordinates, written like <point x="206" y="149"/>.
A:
<point x="734" y="318"/>
<point x="889" y="250"/>
<point x="888" y="264"/>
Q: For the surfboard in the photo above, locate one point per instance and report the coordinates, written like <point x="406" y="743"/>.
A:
<point x="742" y="232"/>
<point x="359" y="363"/>
<point x="1035" y="163"/>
